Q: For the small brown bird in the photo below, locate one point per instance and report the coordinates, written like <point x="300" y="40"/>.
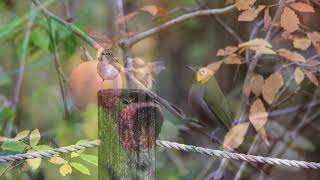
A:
<point x="106" y="68"/>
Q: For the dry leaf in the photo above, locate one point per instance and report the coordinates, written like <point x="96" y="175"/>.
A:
<point x="301" y="43"/>
<point x="267" y="19"/>
<point x="291" y="55"/>
<point x="298" y="75"/>
<point x="315" y="39"/>
<point x="34" y="163"/>
<point x="232" y="59"/>
<point x="302" y="7"/>
<point x="263" y="135"/>
<point x="228" y="2"/>
<point x="155" y="10"/>
<point x="255" y="42"/>
<point x="214" y="67"/>
<point x="250" y="14"/>
<point x="235" y="136"/>
<point x="126" y="18"/>
<point x="311" y="77"/>
<point x="57" y="160"/>
<point x="258" y="115"/>
<point x="227" y="51"/>
<point x="65" y="169"/>
<point x="256" y="84"/>
<point x="244" y="4"/>
<point x="289" y="20"/>
<point x="262" y="50"/>
<point x="271" y="86"/>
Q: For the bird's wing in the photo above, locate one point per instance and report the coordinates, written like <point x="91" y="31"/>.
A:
<point x="218" y="103"/>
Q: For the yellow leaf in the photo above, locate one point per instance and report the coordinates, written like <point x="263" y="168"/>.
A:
<point x="244" y="4"/>
<point x="298" y="75"/>
<point x="255" y="42"/>
<point x="57" y="160"/>
<point x="34" y="163"/>
<point x="250" y="14"/>
<point x="235" y="136"/>
<point x="227" y="51"/>
<point x="289" y="20"/>
<point x="271" y="86"/>
<point x="22" y="135"/>
<point x="311" y="77"/>
<point x="302" y="7"/>
<point x="291" y="55"/>
<point x="65" y="169"/>
<point x="258" y="115"/>
<point x="301" y="43"/>
<point x="232" y="59"/>
<point x="256" y="84"/>
<point x="34" y="137"/>
<point x="262" y="50"/>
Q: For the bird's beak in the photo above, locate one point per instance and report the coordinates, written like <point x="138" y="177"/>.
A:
<point x="192" y="68"/>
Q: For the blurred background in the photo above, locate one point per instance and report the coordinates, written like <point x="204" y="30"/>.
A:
<point x="194" y="42"/>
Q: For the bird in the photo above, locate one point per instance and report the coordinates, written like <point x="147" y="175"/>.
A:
<point x="208" y="102"/>
<point x="107" y="69"/>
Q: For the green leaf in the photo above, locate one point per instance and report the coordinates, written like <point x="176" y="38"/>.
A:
<point x="9" y="29"/>
<point x="7" y="114"/>
<point x="22" y="135"/>
<point x="15" y="146"/>
<point x="34" y="138"/>
<point x="70" y="46"/>
<point x="90" y="158"/>
<point x="83" y="169"/>
<point x="40" y="38"/>
<point x="42" y="147"/>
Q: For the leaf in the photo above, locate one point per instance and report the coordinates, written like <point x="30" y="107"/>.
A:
<point x="34" y="163"/>
<point x="126" y="18"/>
<point x="235" y="136"/>
<point x="155" y="10"/>
<point x="267" y="19"/>
<point x="301" y="43"/>
<point x="90" y="159"/>
<point x="263" y="135"/>
<point x="250" y="14"/>
<point x="83" y="169"/>
<point x="232" y="59"/>
<point x="256" y="84"/>
<point x="57" y="160"/>
<point x="289" y="20"/>
<point x="15" y="146"/>
<point x="22" y="135"/>
<point x="298" y="75"/>
<point x="214" y="67"/>
<point x="291" y="55"/>
<point x="40" y="38"/>
<point x="227" y="51"/>
<point x="271" y="86"/>
<point x="258" y="115"/>
<point x="262" y="50"/>
<point x="302" y="7"/>
<point x="65" y="170"/>
<point x="311" y="77"/>
<point x="315" y="39"/>
<point x="255" y="42"/>
<point x="34" y="138"/>
<point x="244" y="4"/>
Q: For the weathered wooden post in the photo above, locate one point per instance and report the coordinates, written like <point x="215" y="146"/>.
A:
<point x="129" y="122"/>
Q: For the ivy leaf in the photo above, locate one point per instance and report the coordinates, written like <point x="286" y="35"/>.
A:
<point x="83" y="169"/>
<point x="90" y="159"/>
<point x="235" y="136"/>
<point x="34" y="138"/>
<point x="15" y="146"/>
<point x="65" y="169"/>
<point x="22" y="135"/>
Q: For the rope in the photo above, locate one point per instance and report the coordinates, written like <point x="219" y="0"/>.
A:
<point x="169" y="145"/>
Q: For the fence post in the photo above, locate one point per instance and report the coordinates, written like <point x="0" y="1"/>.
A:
<point x="129" y="122"/>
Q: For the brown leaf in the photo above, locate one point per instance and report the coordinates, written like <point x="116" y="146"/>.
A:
<point x="262" y="50"/>
<point x="126" y="18"/>
<point x="258" y="115"/>
<point x="301" y="43"/>
<point x="291" y="55"/>
<point x="255" y="42"/>
<point x="214" y="67"/>
<point x="155" y="10"/>
<point x="232" y="59"/>
<point x="228" y="2"/>
<point x="250" y="14"/>
<point x="312" y="77"/>
<point x="227" y="51"/>
<point x="271" y="86"/>
<point x="244" y="4"/>
<point x="302" y="7"/>
<point x="235" y="136"/>
<point x="289" y="20"/>
<point x="263" y="135"/>
<point x="267" y="19"/>
<point x="298" y="75"/>
<point x="315" y="39"/>
<point x="256" y="84"/>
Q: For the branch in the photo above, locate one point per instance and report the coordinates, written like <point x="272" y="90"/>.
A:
<point x="131" y="41"/>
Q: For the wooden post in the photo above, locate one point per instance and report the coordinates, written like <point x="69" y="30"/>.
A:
<point x="129" y="122"/>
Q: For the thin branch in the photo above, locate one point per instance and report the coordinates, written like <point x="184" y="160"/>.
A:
<point x="68" y="10"/>
<point x="130" y="41"/>
<point x="228" y="29"/>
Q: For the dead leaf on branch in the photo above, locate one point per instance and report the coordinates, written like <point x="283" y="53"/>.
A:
<point x="155" y="10"/>
<point x="232" y="59"/>
<point x="302" y="43"/>
<point x="315" y="39"/>
<point x="272" y="86"/>
<point x="298" y="75"/>
<point x="267" y="19"/>
<point x="214" y="67"/>
<point x="312" y="77"/>
<point x="302" y="7"/>
<point x="258" y="115"/>
<point x="255" y="42"/>
<point x="227" y="51"/>
<point x="244" y="4"/>
<point x="256" y="84"/>
<point x="262" y="50"/>
<point x="126" y="18"/>
<point x="289" y="20"/>
<point x="291" y="55"/>
<point x="250" y="14"/>
<point x="235" y="136"/>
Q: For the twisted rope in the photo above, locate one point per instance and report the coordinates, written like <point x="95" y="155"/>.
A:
<point x="169" y="145"/>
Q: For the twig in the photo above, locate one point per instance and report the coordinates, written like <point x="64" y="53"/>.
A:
<point x="134" y="39"/>
<point x="68" y="10"/>
<point x="228" y="28"/>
